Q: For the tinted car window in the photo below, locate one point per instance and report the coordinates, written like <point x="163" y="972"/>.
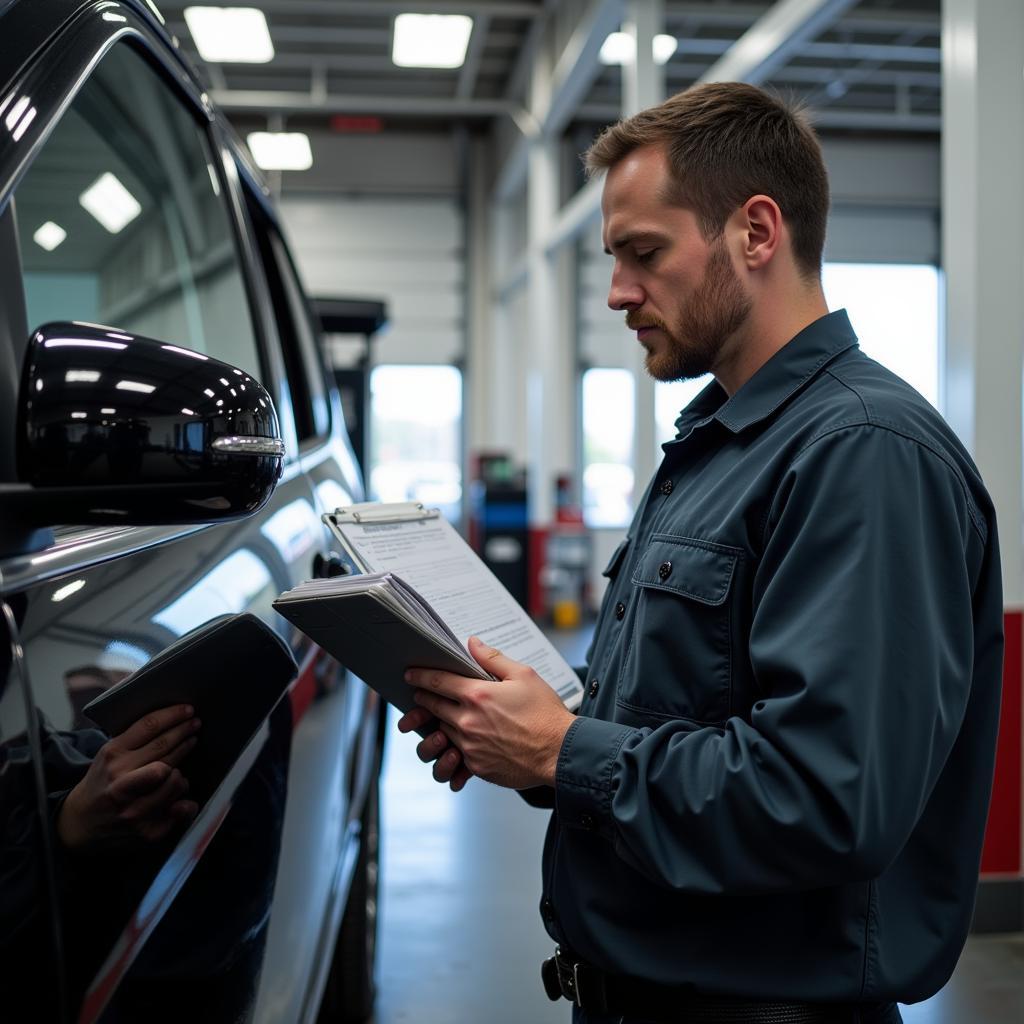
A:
<point x="121" y="221"/>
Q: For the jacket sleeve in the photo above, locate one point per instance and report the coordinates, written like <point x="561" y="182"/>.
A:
<point x="862" y="644"/>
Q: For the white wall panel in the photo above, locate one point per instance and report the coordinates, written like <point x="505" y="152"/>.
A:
<point x="405" y="251"/>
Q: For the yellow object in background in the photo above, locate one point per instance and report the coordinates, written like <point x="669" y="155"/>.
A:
<point x="566" y="614"/>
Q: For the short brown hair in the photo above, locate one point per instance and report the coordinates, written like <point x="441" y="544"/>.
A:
<point x="726" y="142"/>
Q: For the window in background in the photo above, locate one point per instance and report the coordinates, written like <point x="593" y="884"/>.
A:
<point x="608" y="416"/>
<point x="894" y="308"/>
<point x="415" y="436"/>
<point x="670" y="398"/>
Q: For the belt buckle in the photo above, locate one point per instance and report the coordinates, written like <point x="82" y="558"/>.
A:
<point x="590" y="988"/>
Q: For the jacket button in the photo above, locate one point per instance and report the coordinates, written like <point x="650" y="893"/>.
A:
<point x="587" y="821"/>
<point x="546" y="909"/>
<point x="666" y="487"/>
<point x="620" y="610"/>
<point x="664" y="569"/>
<point x="594" y="687"/>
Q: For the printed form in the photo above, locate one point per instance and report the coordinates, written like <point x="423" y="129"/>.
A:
<point x="436" y="562"/>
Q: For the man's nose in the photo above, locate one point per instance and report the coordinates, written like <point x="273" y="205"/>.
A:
<point x="624" y="293"/>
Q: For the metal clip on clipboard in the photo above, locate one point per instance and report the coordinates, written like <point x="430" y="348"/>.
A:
<point x="372" y="513"/>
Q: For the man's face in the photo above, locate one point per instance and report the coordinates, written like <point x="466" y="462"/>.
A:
<point x="680" y="292"/>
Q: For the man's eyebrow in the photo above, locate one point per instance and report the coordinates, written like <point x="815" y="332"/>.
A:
<point x="632" y="236"/>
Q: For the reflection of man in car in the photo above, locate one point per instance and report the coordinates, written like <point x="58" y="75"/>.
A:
<point x="133" y="788"/>
<point x="114" y="805"/>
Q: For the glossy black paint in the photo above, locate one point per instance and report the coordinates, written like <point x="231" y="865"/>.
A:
<point x="236" y="918"/>
<point x="115" y="415"/>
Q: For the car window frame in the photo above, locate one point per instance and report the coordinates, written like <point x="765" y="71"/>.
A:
<point x="54" y="75"/>
<point x="307" y="352"/>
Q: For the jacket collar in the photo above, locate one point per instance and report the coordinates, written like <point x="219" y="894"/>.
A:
<point x="798" y="362"/>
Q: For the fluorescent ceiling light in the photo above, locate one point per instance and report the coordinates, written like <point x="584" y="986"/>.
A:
<point x="76" y="343"/>
<point x="79" y="415"/>
<point x="110" y="203"/>
<point x="663" y="48"/>
<point x="431" y="40"/>
<point x="184" y="352"/>
<point x="81" y="376"/>
<point x="49" y="235"/>
<point x="620" y="48"/>
<point x="67" y="590"/>
<point x="107" y="411"/>
<point x="134" y="385"/>
<point x="230" y="35"/>
<point x="280" y="151"/>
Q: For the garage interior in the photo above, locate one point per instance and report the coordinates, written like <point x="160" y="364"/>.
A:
<point x="456" y="197"/>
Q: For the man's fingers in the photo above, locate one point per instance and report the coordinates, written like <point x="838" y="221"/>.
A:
<point x="147" y="728"/>
<point x="439" y="707"/>
<point x="413" y="720"/>
<point x="460" y="778"/>
<point x="491" y="659"/>
<point x="180" y="752"/>
<point x="446" y="766"/>
<point x="139" y="783"/>
<point x="431" y="748"/>
<point x="158" y="800"/>
<point x="165" y="745"/>
<point x="448" y="684"/>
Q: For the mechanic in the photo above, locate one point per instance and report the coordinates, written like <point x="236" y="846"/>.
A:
<point x="771" y="804"/>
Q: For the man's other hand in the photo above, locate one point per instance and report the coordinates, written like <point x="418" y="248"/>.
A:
<point x="509" y="732"/>
<point x="133" y="788"/>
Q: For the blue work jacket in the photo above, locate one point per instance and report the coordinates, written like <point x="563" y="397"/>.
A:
<point x="778" y="781"/>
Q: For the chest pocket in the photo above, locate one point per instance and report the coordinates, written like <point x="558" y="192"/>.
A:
<point x="678" y="663"/>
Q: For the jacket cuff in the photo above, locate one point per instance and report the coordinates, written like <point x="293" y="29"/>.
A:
<point x="583" y="775"/>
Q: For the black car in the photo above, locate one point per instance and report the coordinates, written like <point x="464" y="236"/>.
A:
<point x="169" y="439"/>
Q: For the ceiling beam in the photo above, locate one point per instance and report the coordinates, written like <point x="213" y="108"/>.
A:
<point x="578" y="66"/>
<point x="575" y="70"/>
<point x="474" y="53"/>
<point x="333" y="8"/>
<point x="235" y="101"/>
<point x="774" y="39"/>
<point x="766" y="45"/>
<point x="858" y="20"/>
<point x="339" y="34"/>
<point x="826" y="117"/>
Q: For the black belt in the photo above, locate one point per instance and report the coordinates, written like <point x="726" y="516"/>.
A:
<point x="599" y="992"/>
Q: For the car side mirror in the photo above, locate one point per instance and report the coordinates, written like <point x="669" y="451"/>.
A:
<point x="118" y="428"/>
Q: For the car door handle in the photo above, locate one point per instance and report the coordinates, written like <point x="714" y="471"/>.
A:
<point x="328" y="565"/>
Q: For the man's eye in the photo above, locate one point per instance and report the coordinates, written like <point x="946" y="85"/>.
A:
<point x="646" y="255"/>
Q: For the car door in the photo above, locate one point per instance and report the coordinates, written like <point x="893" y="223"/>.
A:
<point x="318" y="861"/>
<point x="123" y="159"/>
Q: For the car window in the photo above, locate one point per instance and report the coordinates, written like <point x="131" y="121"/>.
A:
<point x="299" y="340"/>
<point x="122" y="221"/>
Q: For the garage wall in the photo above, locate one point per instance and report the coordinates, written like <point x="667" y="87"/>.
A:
<point x="403" y="250"/>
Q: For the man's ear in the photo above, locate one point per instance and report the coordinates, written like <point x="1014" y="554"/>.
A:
<point x="760" y="221"/>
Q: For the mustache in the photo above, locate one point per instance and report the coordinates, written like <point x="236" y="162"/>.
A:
<point x="635" y="321"/>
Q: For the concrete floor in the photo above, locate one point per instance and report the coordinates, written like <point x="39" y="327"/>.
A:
<point x="461" y="940"/>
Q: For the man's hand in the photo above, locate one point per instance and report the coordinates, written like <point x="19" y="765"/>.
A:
<point x="133" y="789"/>
<point x="508" y="733"/>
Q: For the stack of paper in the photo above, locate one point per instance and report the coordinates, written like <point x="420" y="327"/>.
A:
<point x="346" y="612"/>
<point x="419" y="593"/>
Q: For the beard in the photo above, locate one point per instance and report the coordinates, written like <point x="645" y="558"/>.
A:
<point x="717" y="310"/>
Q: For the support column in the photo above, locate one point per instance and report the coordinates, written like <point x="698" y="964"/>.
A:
<point x="983" y="208"/>
<point x="643" y="85"/>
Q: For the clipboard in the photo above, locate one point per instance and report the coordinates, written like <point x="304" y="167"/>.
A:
<point x="408" y="549"/>
<point x="372" y="513"/>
